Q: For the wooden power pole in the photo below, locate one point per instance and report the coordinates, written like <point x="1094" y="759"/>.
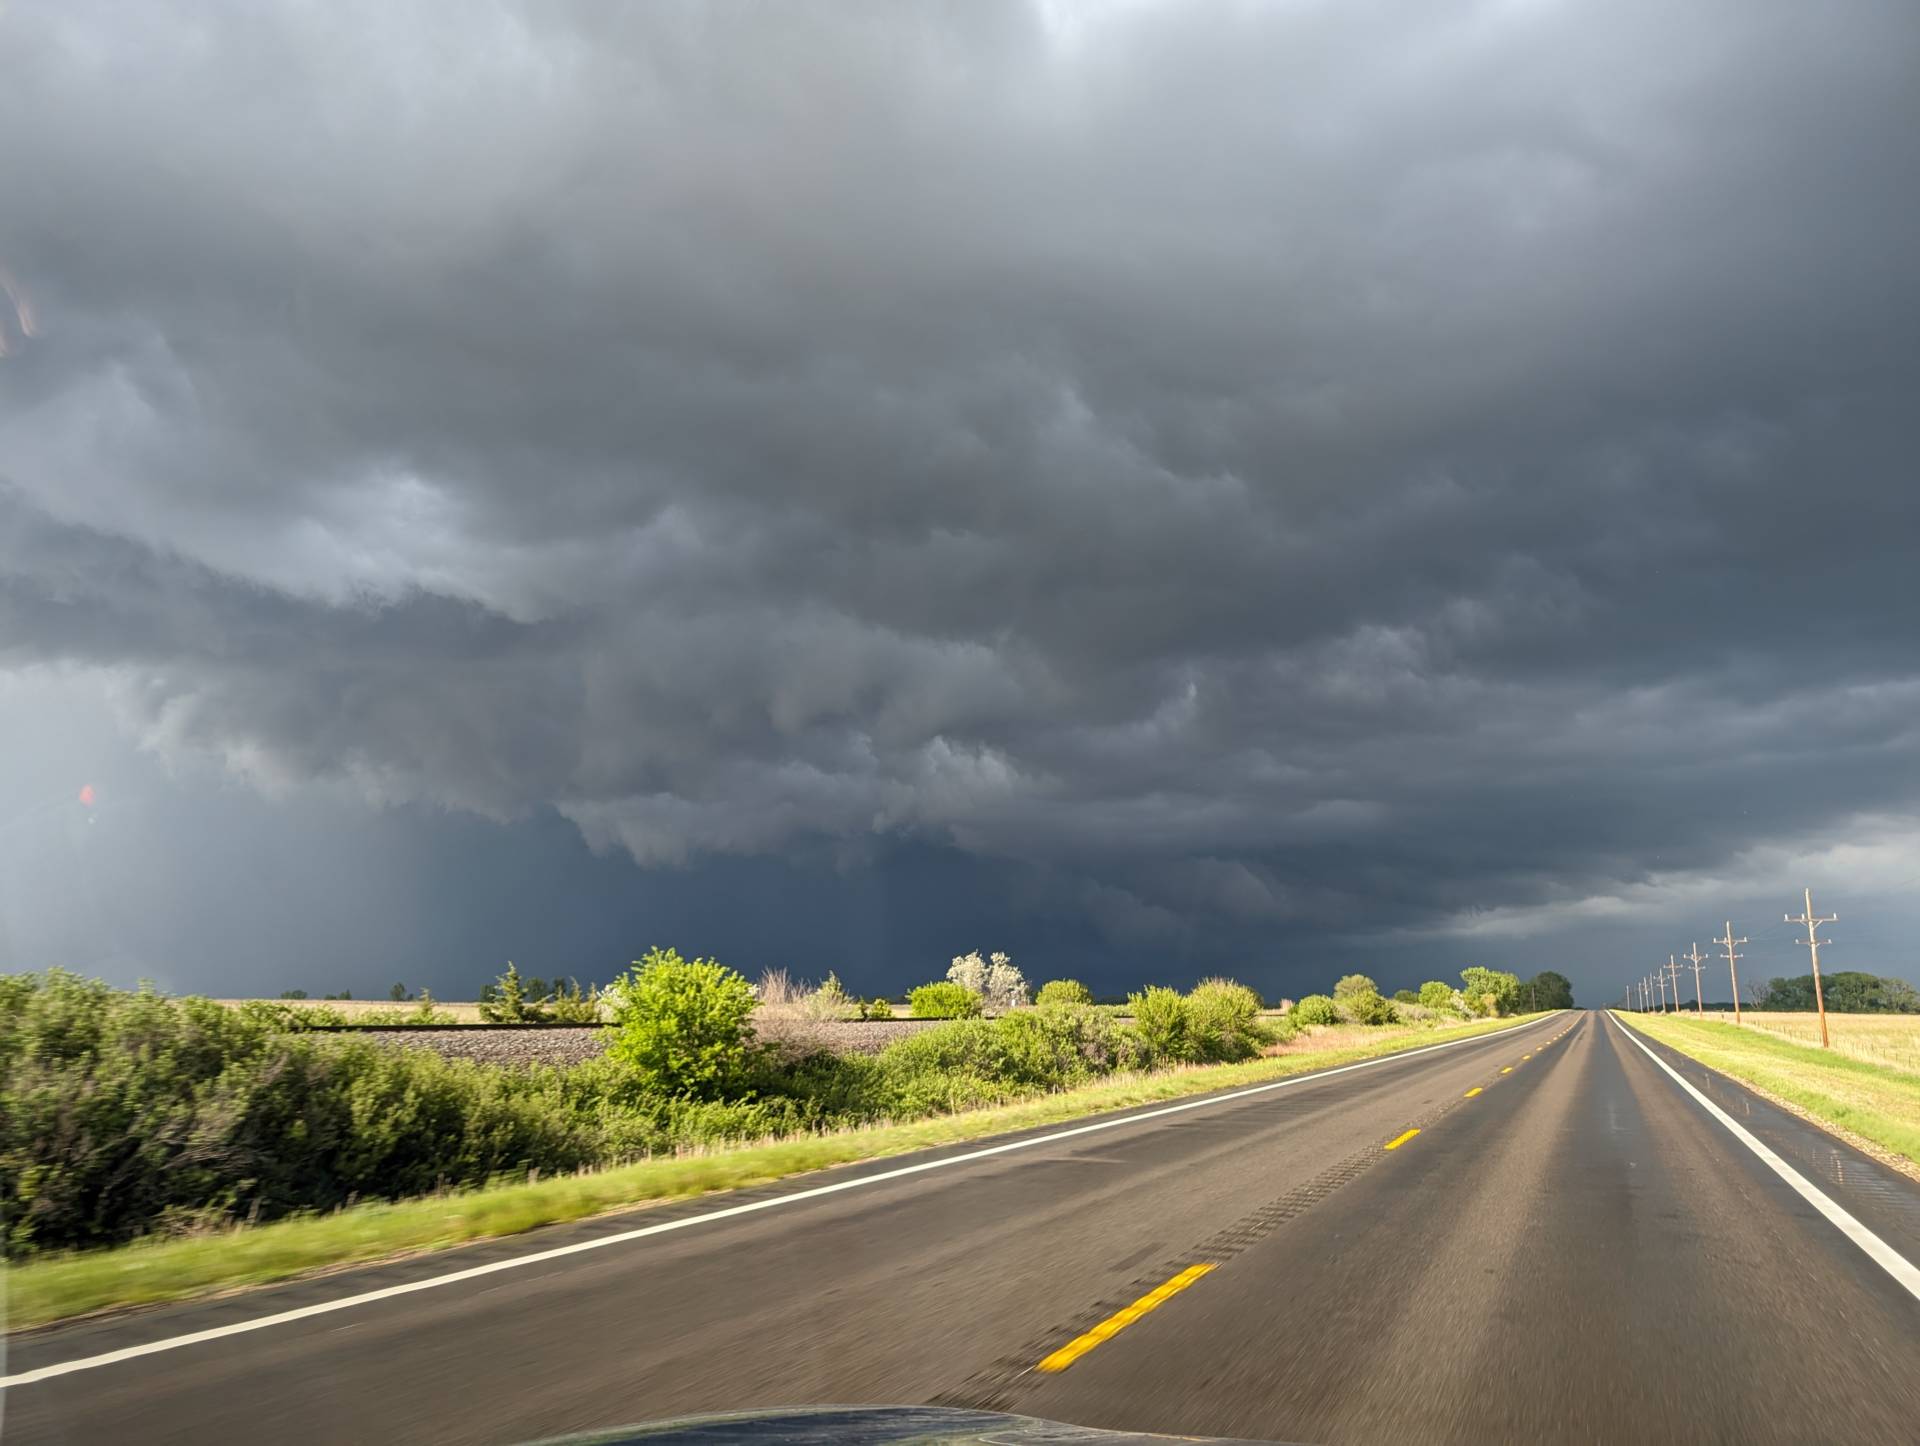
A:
<point x="1727" y="942"/>
<point x="1696" y="959"/>
<point x="1814" y="942"/>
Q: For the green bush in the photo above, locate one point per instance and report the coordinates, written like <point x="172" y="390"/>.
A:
<point x="1063" y="991"/>
<point x="943" y="999"/>
<point x="877" y="1009"/>
<point x="1223" y="1020"/>
<point x="1366" y="1006"/>
<point x="124" y="1112"/>
<point x="1164" y="1027"/>
<point x="289" y="1018"/>
<point x="682" y="1025"/>
<point x="1436" y="995"/>
<point x="1315" y="1009"/>
<point x="570" y="1005"/>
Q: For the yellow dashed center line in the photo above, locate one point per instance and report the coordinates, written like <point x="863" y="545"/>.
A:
<point x="1506" y="1069"/>
<point x="1398" y="1140"/>
<point x="1120" y="1320"/>
<point x="1474" y="1091"/>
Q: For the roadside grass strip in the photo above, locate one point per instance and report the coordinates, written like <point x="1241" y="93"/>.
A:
<point x="1877" y="1103"/>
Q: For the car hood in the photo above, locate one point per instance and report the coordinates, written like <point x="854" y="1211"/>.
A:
<point x="874" y="1426"/>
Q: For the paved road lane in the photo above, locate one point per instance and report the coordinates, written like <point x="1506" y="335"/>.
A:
<point x="1584" y="1255"/>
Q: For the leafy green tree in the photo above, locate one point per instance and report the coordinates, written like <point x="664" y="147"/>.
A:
<point x="398" y="994"/>
<point x="683" y="1026"/>
<point x="1847" y="992"/>
<point x="1352" y="984"/>
<point x="1063" y="991"/>
<point x="293" y="994"/>
<point x="1405" y="996"/>
<point x="509" y="1001"/>
<point x="1436" y="995"/>
<point x="1546" y="990"/>
<point x="1488" y="991"/>
<point x="944" y="999"/>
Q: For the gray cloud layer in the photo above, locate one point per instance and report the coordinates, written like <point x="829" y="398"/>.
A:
<point x="1254" y="468"/>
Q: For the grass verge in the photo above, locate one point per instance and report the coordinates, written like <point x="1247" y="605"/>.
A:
<point x="1878" y="1106"/>
<point x="147" y="1273"/>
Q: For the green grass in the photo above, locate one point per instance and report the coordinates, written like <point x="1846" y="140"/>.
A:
<point x="1879" y="1104"/>
<point x="58" y="1287"/>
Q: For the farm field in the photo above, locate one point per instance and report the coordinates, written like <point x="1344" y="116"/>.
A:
<point x="1889" y="1039"/>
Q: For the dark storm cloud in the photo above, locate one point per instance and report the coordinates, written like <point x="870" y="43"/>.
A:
<point x="1246" y="466"/>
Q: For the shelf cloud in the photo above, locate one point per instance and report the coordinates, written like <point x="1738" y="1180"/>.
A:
<point x="1240" y="484"/>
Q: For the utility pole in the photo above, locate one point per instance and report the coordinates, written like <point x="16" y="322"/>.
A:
<point x="1673" y="972"/>
<point x="1732" y="974"/>
<point x="1696" y="959"/>
<point x="1661" y="975"/>
<point x="1814" y="942"/>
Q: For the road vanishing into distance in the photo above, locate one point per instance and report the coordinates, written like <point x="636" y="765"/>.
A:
<point x="1539" y="1235"/>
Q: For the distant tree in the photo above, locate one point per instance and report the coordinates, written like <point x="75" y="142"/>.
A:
<point x="293" y="994"/>
<point x="1547" y="990"/>
<point x="1847" y="991"/>
<point x="1435" y="994"/>
<point x="512" y="1002"/>
<point x="1406" y="996"/>
<point x="343" y="994"/>
<point x="1352" y="984"/>
<point x="398" y="994"/>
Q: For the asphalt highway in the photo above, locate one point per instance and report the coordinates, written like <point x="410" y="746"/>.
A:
<point x="1537" y="1236"/>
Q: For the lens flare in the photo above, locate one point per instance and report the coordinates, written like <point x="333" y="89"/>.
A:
<point x="22" y="305"/>
<point x="86" y="795"/>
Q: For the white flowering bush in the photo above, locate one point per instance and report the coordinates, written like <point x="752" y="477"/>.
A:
<point x="999" y="985"/>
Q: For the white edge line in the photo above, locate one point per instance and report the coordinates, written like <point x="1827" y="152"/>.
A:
<point x="346" y="1302"/>
<point x="1881" y="1253"/>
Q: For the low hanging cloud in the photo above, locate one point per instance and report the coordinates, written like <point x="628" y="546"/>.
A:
<point x="1251" y="467"/>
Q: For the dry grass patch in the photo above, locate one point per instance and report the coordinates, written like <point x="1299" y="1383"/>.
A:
<point x="1892" y="1040"/>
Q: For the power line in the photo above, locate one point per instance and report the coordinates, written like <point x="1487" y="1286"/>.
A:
<point x="1732" y="974"/>
<point x="1814" y="941"/>
<point x="1696" y="958"/>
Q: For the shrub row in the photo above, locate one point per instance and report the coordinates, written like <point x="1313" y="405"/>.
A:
<point x="127" y="1113"/>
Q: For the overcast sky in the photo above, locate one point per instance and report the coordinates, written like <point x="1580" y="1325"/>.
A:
<point x="1158" y="488"/>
